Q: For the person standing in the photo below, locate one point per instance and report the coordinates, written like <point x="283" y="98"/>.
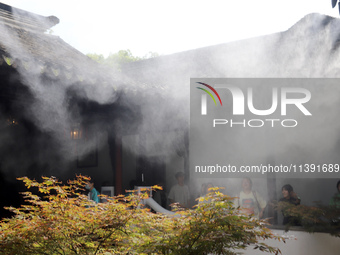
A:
<point x="335" y="200"/>
<point x="289" y="196"/>
<point x="179" y="193"/>
<point x="250" y="201"/>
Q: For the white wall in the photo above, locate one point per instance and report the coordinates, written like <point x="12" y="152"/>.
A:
<point x="305" y="244"/>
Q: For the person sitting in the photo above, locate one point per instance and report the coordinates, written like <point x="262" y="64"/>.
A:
<point x="93" y="194"/>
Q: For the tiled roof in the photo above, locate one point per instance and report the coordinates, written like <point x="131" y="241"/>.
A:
<point x="298" y="52"/>
<point x="41" y="52"/>
<point x="25" y="44"/>
<point x="22" y="19"/>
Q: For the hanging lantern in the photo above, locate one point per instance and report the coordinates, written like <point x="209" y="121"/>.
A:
<point x="76" y="133"/>
<point x="11" y="121"/>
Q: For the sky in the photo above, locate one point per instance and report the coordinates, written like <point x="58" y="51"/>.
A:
<point x="166" y="27"/>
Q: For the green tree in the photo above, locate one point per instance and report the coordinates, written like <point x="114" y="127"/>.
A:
<point x="59" y="219"/>
<point x="118" y="59"/>
<point x="96" y="57"/>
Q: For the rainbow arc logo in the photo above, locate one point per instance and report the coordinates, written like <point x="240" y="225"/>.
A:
<point x="209" y="93"/>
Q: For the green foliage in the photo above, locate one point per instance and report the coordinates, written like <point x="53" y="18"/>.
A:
<point x="317" y="218"/>
<point x="96" y="57"/>
<point x="118" y="59"/>
<point x="59" y="219"/>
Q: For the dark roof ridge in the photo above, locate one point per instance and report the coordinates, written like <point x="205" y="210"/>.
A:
<point x="306" y="19"/>
<point x="19" y="18"/>
<point x="314" y="19"/>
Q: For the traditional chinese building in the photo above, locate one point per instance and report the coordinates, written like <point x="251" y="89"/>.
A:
<point x="61" y="113"/>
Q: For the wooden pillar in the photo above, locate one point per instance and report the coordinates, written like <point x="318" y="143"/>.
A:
<point x="118" y="166"/>
<point x="272" y="196"/>
<point x="115" y="147"/>
<point x="186" y="155"/>
<point x="140" y="168"/>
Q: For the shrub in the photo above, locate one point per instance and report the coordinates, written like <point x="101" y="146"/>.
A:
<point x="318" y="218"/>
<point x="59" y="219"/>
